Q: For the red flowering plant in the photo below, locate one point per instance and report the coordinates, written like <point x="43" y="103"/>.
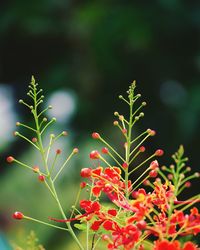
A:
<point x="143" y="212"/>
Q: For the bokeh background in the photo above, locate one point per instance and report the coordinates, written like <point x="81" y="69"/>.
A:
<point x="84" y="54"/>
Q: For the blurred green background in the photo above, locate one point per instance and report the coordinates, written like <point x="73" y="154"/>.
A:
<point x="84" y="54"/>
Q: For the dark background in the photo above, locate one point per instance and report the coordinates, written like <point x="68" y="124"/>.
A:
<point x="94" y="50"/>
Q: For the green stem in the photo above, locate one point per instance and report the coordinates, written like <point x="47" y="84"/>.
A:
<point x="64" y="164"/>
<point x="64" y="216"/>
<point x="52" y="187"/>
<point x="45" y="223"/>
<point x="149" y="158"/>
<point x="108" y="145"/>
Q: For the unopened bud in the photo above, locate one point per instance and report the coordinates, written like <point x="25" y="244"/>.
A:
<point x="75" y="150"/>
<point x="34" y="139"/>
<point x="95" y="135"/>
<point x="18" y="216"/>
<point x="15" y="133"/>
<point x="10" y="159"/>
<point x="151" y="132"/>
<point x="36" y="169"/>
<point x="64" y="133"/>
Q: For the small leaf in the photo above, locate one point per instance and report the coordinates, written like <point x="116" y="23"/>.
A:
<point x="80" y="226"/>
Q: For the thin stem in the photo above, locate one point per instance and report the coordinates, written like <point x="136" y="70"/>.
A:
<point x="108" y="145"/>
<point x="43" y="111"/>
<point x="53" y="164"/>
<point x="64" y="164"/>
<point x="49" y="147"/>
<point x="52" y="187"/>
<point x="139" y="144"/>
<point x="114" y="159"/>
<point x="138" y="137"/>
<point x="111" y="167"/>
<point x="149" y="158"/>
<point x="47" y="125"/>
<point x="76" y="202"/>
<point x="26" y="139"/>
<point x="45" y="223"/>
<point x="140" y="177"/>
<point x="23" y="164"/>
<point x="25" y="126"/>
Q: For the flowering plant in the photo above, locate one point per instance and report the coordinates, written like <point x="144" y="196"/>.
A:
<point x="143" y="212"/>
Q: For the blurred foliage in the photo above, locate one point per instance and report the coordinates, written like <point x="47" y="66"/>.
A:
<point x="29" y="243"/>
<point x="96" y="48"/>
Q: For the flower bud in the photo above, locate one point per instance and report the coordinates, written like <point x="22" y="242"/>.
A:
<point x="144" y="103"/>
<point x="41" y="178"/>
<point x="188" y="169"/>
<point x="36" y="169"/>
<point x="124" y="131"/>
<point x="34" y="139"/>
<point x="153" y="173"/>
<point x="170" y="176"/>
<point x="187" y="184"/>
<point x="142" y="149"/>
<point x="10" y="159"/>
<point x="95" y="135"/>
<point x="151" y="132"/>
<point x="64" y="133"/>
<point x="83" y="184"/>
<point x="16" y="133"/>
<point x="159" y="152"/>
<point x="94" y="155"/>
<point x="58" y="151"/>
<point x="104" y="150"/>
<point x="75" y="150"/>
<point x="154" y="165"/>
<point x="125" y="165"/>
<point x="141" y="224"/>
<point x="86" y="172"/>
<point x="18" y="216"/>
<point x="115" y="123"/>
<point x="146" y="182"/>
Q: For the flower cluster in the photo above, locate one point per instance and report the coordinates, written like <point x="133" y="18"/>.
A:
<point x="121" y="210"/>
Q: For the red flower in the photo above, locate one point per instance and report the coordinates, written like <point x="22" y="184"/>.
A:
<point x="189" y="246"/>
<point x="166" y="245"/>
<point x="175" y="245"/>
<point x="96" y="224"/>
<point x="90" y="206"/>
<point x="112" y="212"/>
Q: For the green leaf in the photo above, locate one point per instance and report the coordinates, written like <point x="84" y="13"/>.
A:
<point x="80" y="226"/>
